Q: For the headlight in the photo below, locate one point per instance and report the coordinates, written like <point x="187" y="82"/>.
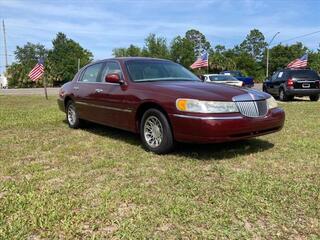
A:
<point x="193" y="105"/>
<point x="271" y="103"/>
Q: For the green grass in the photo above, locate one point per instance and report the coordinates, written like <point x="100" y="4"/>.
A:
<point x="98" y="182"/>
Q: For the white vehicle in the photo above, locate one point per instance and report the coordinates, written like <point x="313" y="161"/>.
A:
<point x="221" y="78"/>
<point x="3" y="82"/>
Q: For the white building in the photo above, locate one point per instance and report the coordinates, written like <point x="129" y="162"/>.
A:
<point x="3" y="81"/>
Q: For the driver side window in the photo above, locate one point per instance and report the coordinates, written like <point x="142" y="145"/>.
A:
<point x="110" y="68"/>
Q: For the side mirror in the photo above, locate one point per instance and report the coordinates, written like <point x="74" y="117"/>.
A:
<point x="113" y="78"/>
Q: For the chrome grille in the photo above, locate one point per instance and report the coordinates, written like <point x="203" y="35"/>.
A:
<point x="253" y="108"/>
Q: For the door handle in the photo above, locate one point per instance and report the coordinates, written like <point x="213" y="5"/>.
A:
<point x="98" y="90"/>
<point x="76" y="88"/>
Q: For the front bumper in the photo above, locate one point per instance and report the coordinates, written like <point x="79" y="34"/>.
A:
<point x="302" y="92"/>
<point x="231" y="127"/>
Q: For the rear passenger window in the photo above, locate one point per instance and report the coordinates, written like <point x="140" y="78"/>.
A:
<point x="91" y="73"/>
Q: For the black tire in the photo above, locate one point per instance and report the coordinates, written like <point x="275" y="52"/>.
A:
<point x="158" y="137"/>
<point x="72" y="115"/>
<point x="283" y="95"/>
<point x="314" y="98"/>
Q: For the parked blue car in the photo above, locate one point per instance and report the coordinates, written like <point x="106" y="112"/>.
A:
<point x="248" y="81"/>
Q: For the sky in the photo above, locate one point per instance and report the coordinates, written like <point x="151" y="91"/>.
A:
<point x="100" y="26"/>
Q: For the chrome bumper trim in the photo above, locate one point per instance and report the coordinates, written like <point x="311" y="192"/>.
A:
<point x="207" y="118"/>
<point x="104" y="107"/>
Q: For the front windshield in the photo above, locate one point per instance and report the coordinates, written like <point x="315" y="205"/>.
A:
<point x="222" y="78"/>
<point x="233" y="73"/>
<point x="157" y="70"/>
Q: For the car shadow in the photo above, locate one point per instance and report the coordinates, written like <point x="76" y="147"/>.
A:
<point x="296" y="99"/>
<point x="217" y="151"/>
<point x="222" y="151"/>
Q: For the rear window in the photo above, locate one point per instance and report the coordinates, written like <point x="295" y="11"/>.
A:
<point x="304" y="74"/>
<point x="222" y="78"/>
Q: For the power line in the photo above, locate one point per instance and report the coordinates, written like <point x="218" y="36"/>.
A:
<point x="300" y="36"/>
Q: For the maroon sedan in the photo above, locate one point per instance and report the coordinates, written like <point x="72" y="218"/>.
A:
<point x="164" y="102"/>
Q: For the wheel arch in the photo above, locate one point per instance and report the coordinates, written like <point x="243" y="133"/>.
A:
<point x="144" y="107"/>
<point x="66" y="100"/>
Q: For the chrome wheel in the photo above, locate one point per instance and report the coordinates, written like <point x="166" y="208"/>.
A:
<point x="72" y="117"/>
<point x="153" y="131"/>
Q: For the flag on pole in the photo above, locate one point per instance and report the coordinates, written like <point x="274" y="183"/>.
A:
<point x="202" y="61"/>
<point x="299" y="62"/>
<point x="37" y="71"/>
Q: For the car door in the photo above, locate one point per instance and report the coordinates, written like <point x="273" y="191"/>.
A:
<point x="278" y="81"/>
<point x="113" y="99"/>
<point x="270" y="84"/>
<point x="85" y="89"/>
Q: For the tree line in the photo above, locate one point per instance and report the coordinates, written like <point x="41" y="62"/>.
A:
<point x="61" y="62"/>
<point x="249" y="56"/>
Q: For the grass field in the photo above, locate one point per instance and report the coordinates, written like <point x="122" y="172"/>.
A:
<point x="98" y="182"/>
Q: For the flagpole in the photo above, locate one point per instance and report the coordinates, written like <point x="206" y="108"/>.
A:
<point x="45" y="84"/>
<point x="45" y="88"/>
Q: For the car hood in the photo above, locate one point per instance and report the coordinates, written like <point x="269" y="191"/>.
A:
<point x="205" y="91"/>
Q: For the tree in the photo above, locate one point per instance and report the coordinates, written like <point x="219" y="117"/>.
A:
<point x="30" y="53"/>
<point x="199" y="41"/>
<point x="119" y="52"/>
<point x="131" y="51"/>
<point x="182" y="51"/>
<point x="219" y="61"/>
<point x="254" y="44"/>
<point x="155" y="47"/>
<point x="26" y="58"/>
<point x="281" y="55"/>
<point x="314" y="60"/>
<point x="63" y="58"/>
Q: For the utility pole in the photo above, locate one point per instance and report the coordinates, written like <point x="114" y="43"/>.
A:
<point x="267" y="72"/>
<point x="78" y="64"/>
<point x="5" y="45"/>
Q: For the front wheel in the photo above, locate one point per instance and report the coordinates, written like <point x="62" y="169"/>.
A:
<point x="314" y="98"/>
<point x="72" y="115"/>
<point x="155" y="132"/>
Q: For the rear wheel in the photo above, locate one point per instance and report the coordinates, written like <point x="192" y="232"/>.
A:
<point x="155" y="132"/>
<point x="283" y="95"/>
<point x="314" y="97"/>
<point x="264" y="89"/>
<point x="72" y="115"/>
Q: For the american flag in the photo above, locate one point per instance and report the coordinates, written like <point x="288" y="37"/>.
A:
<point x="299" y="62"/>
<point x="37" y="71"/>
<point x="202" y="61"/>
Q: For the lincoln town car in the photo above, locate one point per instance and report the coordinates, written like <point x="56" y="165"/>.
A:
<point x="166" y="103"/>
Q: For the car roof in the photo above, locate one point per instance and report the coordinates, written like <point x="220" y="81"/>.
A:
<point x="130" y="58"/>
